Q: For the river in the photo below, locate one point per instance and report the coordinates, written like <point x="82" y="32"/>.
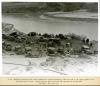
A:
<point x="28" y="23"/>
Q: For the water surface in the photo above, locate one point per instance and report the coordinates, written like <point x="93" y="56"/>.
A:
<point x="28" y="23"/>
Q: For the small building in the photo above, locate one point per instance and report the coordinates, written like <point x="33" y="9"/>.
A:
<point x="61" y="51"/>
<point x="95" y="46"/>
<point x="86" y="49"/>
<point x="51" y="51"/>
<point x="28" y="51"/>
<point x="19" y="50"/>
<point x="76" y="45"/>
<point x="7" y="47"/>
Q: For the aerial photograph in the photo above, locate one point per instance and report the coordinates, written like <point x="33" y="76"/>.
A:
<point x="50" y="38"/>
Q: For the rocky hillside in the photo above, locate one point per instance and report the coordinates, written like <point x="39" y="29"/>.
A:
<point x="24" y="7"/>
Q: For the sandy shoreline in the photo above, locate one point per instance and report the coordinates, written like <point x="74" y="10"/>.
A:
<point x="77" y="15"/>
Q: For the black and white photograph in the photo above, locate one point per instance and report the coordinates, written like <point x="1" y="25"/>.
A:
<point x="50" y="38"/>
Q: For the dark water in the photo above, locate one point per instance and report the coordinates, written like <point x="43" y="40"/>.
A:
<point x="27" y="23"/>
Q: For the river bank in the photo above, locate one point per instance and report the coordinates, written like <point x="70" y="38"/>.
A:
<point x="74" y="15"/>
